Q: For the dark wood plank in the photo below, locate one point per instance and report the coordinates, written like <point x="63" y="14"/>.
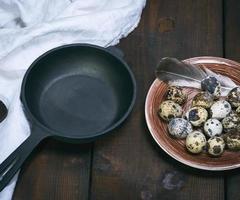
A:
<point x="232" y="51"/>
<point x="232" y="29"/>
<point x="55" y="171"/>
<point x="128" y="164"/>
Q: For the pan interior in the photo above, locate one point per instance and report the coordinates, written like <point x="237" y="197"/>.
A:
<point x="78" y="91"/>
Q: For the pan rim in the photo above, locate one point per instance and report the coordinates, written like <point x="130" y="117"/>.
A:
<point x="36" y="122"/>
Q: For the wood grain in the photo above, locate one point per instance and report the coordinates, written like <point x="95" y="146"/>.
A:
<point x="55" y="171"/>
<point x="232" y="29"/>
<point x="232" y="51"/>
<point x="128" y="164"/>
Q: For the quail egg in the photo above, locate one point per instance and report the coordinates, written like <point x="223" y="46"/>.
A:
<point x="203" y="99"/>
<point x="238" y="110"/>
<point x="215" y="146"/>
<point x="169" y="109"/>
<point x="213" y="127"/>
<point x="212" y="85"/>
<point x="195" y="142"/>
<point x="179" y="127"/>
<point x="232" y="141"/>
<point x="234" y="97"/>
<point x="176" y="94"/>
<point x="220" y="109"/>
<point x="231" y="122"/>
<point x="197" y="116"/>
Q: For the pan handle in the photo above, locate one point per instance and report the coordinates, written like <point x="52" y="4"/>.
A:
<point x="14" y="161"/>
<point x="116" y="51"/>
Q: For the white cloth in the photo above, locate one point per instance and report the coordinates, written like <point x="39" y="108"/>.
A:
<point x="28" y="28"/>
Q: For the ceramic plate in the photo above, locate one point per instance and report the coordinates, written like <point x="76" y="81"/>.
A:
<point x="175" y="147"/>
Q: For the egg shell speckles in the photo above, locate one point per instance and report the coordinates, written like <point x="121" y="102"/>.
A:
<point x="212" y="85"/>
<point x="169" y="109"/>
<point x="197" y="116"/>
<point x="179" y="128"/>
<point x="195" y="142"/>
<point x="232" y="141"/>
<point x="215" y="146"/>
<point x="231" y="122"/>
<point x="203" y="99"/>
<point x="238" y="110"/>
<point x="176" y="94"/>
<point x="213" y="127"/>
<point x="234" y="97"/>
<point x="220" y="109"/>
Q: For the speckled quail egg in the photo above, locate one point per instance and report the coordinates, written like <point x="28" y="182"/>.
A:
<point x="232" y="140"/>
<point x="179" y="127"/>
<point x="169" y="109"/>
<point x="176" y="94"/>
<point x="195" y="142"/>
<point x="215" y="146"/>
<point x="231" y="122"/>
<point x="220" y="109"/>
<point x="212" y="85"/>
<point x="238" y="113"/>
<point x="234" y="97"/>
<point x="213" y="127"/>
<point x="238" y="128"/>
<point x="203" y="99"/>
<point x="238" y="110"/>
<point x="197" y="116"/>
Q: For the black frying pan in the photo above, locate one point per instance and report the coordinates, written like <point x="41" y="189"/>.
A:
<point x="74" y="93"/>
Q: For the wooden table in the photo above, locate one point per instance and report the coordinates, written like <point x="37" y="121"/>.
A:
<point x="128" y="164"/>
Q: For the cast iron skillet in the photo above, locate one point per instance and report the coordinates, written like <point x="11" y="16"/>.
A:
<point x="73" y="93"/>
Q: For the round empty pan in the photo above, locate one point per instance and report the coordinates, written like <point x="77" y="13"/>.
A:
<point x="74" y="93"/>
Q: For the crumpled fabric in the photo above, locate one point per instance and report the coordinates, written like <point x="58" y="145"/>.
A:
<point x="29" y="28"/>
